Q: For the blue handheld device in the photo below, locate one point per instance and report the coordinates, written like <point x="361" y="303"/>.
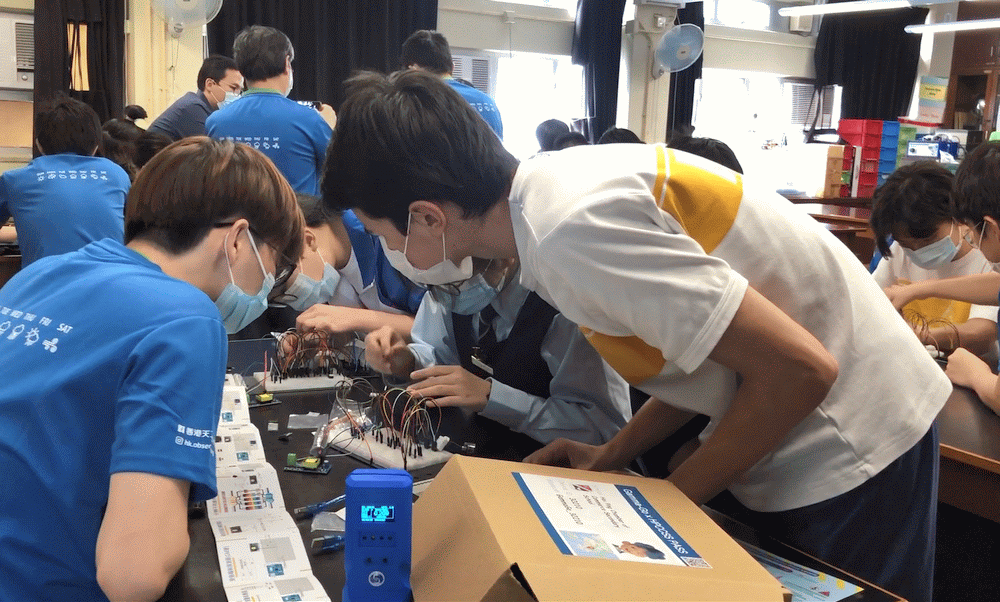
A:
<point x="379" y="527"/>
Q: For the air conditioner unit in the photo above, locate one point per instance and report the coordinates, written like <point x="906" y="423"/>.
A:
<point x="17" y="51"/>
<point x="480" y="71"/>
<point x="800" y="24"/>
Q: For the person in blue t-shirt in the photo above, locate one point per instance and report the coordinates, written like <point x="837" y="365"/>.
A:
<point x="429" y="51"/>
<point x="114" y="359"/>
<point x="344" y="283"/>
<point x="292" y="135"/>
<point x="67" y="197"/>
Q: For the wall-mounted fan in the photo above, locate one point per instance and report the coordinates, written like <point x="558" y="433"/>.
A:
<point x="678" y="49"/>
<point x="181" y="14"/>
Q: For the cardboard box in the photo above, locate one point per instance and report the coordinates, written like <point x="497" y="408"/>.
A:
<point x="497" y="531"/>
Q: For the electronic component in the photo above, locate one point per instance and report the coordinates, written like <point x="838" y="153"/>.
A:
<point x="378" y="533"/>
<point x="393" y="430"/>
<point x="311" y="464"/>
<point x="313" y="509"/>
<point x="328" y="544"/>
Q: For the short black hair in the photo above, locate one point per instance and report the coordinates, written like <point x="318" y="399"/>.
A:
<point x="547" y="132"/>
<point x="314" y="211"/>
<point x="260" y="52"/>
<point x="615" y="135"/>
<point x="215" y="67"/>
<point x="914" y="201"/>
<point x="148" y="144"/>
<point x="708" y="148"/>
<point x="569" y="139"/>
<point x="977" y="185"/>
<point x="67" y="125"/>
<point x="409" y="136"/>
<point x="428" y="50"/>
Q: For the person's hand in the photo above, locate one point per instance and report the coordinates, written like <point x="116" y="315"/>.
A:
<point x="964" y="367"/>
<point x="451" y="386"/>
<point x="386" y="352"/>
<point x="327" y="318"/>
<point x="328" y="114"/>
<point x="565" y="452"/>
<point x="900" y="294"/>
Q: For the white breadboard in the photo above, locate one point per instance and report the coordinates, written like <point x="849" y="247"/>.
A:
<point x="381" y="455"/>
<point x="298" y="383"/>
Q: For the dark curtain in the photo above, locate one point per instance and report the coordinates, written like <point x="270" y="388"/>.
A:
<point x="597" y="45"/>
<point x="681" y="108"/>
<point x="105" y="42"/>
<point x="871" y="56"/>
<point x="332" y="38"/>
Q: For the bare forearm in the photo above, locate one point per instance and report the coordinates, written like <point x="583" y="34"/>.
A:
<point x="749" y="431"/>
<point x="366" y="320"/>
<point x="978" y="335"/>
<point x="979" y="289"/>
<point x="654" y="422"/>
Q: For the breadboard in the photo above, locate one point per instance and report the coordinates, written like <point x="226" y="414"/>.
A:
<point x="383" y="456"/>
<point x="297" y="383"/>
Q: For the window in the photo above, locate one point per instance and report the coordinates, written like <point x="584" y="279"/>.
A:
<point x="569" y="5"/>
<point x="531" y="88"/>
<point x="759" y="113"/>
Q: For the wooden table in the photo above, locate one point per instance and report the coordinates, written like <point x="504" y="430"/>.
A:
<point x="970" y="455"/>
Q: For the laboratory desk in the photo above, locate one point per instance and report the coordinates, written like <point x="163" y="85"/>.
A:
<point x="199" y="580"/>
<point x="970" y="455"/>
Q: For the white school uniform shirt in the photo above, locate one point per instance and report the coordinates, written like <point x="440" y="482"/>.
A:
<point x="651" y="250"/>
<point x="900" y="267"/>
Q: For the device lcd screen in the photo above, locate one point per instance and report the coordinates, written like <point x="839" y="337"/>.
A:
<point x="377" y="514"/>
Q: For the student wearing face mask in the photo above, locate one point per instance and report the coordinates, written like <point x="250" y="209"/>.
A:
<point x="116" y="353"/>
<point x="976" y="207"/>
<point x="343" y="282"/>
<point x="914" y="207"/>
<point x="492" y="346"/>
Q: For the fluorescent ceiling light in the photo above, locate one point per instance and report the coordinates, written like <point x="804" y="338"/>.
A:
<point x="853" y="7"/>
<point x="953" y="26"/>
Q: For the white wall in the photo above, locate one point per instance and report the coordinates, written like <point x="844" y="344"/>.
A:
<point x="760" y="51"/>
<point x="503" y="26"/>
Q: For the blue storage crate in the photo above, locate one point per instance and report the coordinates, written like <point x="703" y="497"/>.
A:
<point x="890" y="128"/>
<point x="887" y="166"/>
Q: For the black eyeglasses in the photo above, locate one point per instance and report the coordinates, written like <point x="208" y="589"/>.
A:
<point x="283" y="265"/>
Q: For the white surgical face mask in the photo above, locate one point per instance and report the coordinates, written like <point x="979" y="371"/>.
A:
<point x="304" y="292"/>
<point x="443" y="272"/>
<point x="230" y="97"/>
<point x="238" y="308"/>
<point x="935" y="255"/>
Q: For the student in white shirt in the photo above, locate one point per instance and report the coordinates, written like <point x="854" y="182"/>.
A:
<point x="914" y="208"/>
<point x="708" y="293"/>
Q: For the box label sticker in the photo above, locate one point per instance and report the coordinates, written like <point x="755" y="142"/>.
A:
<point x="604" y="520"/>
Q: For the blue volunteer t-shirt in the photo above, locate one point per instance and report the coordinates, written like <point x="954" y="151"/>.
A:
<point x="294" y="136"/>
<point x="62" y="202"/>
<point x="108" y="365"/>
<point x="481" y="103"/>
<point x="394" y="289"/>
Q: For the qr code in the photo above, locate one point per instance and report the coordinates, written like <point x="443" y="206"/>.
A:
<point x="696" y="562"/>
